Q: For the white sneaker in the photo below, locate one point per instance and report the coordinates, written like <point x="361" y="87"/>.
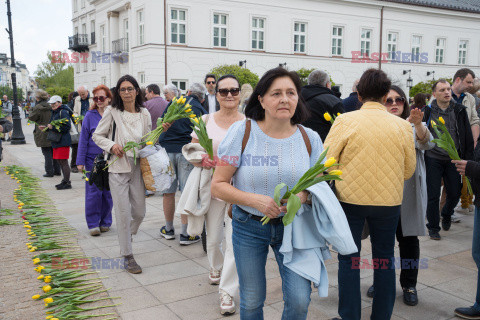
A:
<point x="455" y="218"/>
<point x="227" y="305"/>
<point x="214" y="276"/>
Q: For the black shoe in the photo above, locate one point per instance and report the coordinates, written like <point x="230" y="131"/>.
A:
<point x="467" y="313"/>
<point x="446" y="223"/>
<point x="370" y="292"/>
<point x="66" y="185"/>
<point x="57" y="173"/>
<point x="60" y="184"/>
<point x="46" y="175"/>
<point x="434" y="235"/>
<point x="410" y="296"/>
<point x="74" y="169"/>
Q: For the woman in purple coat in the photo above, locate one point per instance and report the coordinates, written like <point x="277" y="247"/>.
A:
<point x="98" y="204"/>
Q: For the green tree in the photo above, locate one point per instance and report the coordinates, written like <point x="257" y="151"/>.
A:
<point x="303" y="74"/>
<point x="54" y="74"/>
<point x="59" y="91"/>
<point x="424" y="87"/>
<point x="6" y="90"/>
<point x="243" y="74"/>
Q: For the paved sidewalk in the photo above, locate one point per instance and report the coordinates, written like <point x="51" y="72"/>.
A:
<point x="174" y="282"/>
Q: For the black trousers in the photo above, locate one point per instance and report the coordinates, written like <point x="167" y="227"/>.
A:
<point x="73" y="161"/>
<point x="409" y="249"/>
<point x="51" y="166"/>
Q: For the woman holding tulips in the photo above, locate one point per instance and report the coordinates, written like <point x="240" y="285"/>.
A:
<point x="376" y="153"/>
<point x="61" y="146"/>
<point x="125" y="121"/>
<point x="98" y="203"/>
<point x="411" y="223"/>
<point x="222" y="269"/>
<point x="274" y="138"/>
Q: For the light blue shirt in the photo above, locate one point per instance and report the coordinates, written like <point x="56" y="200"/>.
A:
<point x="266" y="161"/>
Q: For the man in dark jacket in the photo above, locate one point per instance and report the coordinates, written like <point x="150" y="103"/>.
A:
<point x="437" y="161"/>
<point x="352" y="103"/>
<point x="5" y="126"/>
<point x="211" y="103"/>
<point x="320" y="99"/>
<point x="178" y="135"/>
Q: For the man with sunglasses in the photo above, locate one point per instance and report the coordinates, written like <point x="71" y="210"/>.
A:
<point x="210" y="103"/>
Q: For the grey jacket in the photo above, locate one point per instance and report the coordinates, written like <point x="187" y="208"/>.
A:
<point x="414" y="204"/>
<point x="7" y="127"/>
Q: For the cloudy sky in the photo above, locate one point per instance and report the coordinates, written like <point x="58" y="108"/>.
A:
<point x="38" y="26"/>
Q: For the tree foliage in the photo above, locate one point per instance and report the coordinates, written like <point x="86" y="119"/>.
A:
<point x="243" y="74"/>
<point x="59" y="91"/>
<point x="56" y="74"/>
<point x="424" y="87"/>
<point x="6" y="90"/>
<point x="304" y="72"/>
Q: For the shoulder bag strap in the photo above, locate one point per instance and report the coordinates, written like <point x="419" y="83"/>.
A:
<point x="113" y="138"/>
<point x="306" y="139"/>
<point x="246" y="136"/>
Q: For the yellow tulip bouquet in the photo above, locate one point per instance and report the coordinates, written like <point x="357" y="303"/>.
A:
<point x="312" y="176"/>
<point x="57" y="124"/>
<point x="77" y="118"/>
<point x="444" y="140"/>
<point x="327" y="116"/>
<point x="200" y="129"/>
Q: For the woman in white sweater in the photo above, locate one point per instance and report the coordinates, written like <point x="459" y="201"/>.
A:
<point x="126" y="120"/>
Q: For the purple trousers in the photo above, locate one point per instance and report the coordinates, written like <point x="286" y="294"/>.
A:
<point x="98" y="204"/>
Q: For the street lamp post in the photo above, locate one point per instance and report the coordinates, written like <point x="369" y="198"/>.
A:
<point x="431" y="73"/>
<point x="283" y="65"/>
<point x="17" y="135"/>
<point x="243" y="63"/>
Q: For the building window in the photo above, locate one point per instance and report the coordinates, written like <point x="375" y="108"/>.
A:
<point x="92" y="32"/>
<point x="337" y="41"/>
<point x="392" y="40"/>
<point x="416" y="47"/>
<point x="219" y="30"/>
<point x="85" y="66"/>
<point x="141" y="77"/>
<point x="104" y="80"/>
<point x="141" y="27"/>
<point x="126" y="34"/>
<point x="75" y="5"/>
<point x="299" y="37"/>
<point x="258" y="34"/>
<point x="104" y="38"/>
<point x="462" y="52"/>
<point x="366" y="42"/>
<point x="440" y="50"/>
<point x="178" y="26"/>
<point x="94" y="65"/>
<point x="77" y="67"/>
<point x="181" y="85"/>
<point x="83" y="3"/>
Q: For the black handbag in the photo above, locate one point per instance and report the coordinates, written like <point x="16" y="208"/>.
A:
<point x="99" y="174"/>
<point x="54" y="136"/>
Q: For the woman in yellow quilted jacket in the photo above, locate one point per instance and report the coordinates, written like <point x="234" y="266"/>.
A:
<point x="377" y="154"/>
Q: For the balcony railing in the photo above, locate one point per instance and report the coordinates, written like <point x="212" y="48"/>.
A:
<point x="120" y="45"/>
<point x="78" y="42"/>
<point x="92" y="38"/>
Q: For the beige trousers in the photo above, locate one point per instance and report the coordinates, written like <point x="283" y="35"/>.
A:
<point x="128" y="195"/>
<point x="229" y="279"/>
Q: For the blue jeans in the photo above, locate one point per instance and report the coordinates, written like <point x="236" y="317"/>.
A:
<point x="382" y="222"/>
<point x="476" y="253"/>
<point x="250" y="246"/>
<point x="436" y="170"/>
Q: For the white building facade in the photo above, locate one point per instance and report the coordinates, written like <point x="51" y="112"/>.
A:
<point x="332" y="35"/>
<point x="22" y="74"/>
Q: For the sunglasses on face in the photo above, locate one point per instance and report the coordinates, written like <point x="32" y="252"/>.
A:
<point x="225" y="92"/>
<point x="398" y="101"/>
<point x="211" y="82"/>
<point x="129" y="89"/>
<point x="100" y="98"/>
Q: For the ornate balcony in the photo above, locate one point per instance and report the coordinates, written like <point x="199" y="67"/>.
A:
<point x="78" y="42"/>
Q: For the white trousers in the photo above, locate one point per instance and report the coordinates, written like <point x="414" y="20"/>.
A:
<point x="128" y="195"/>
<point x="229" y="279"/>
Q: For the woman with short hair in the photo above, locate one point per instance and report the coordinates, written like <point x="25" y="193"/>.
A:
<point x="170" y="91"/>
<point x="124" y="121"/>
<point x="275" y="135"/>
<point x="98" y="203"/>
<point x="376" y="153"/>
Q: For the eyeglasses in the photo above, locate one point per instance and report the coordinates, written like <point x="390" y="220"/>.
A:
<point x="399" y="100"/>
<point x="225" y="92"/>
<point x="211" y="82"/>
<point x="100" y="98"/>
<point x="129" y="89"/>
